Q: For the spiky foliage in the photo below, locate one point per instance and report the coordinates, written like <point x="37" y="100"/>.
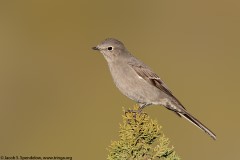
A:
<point x="141" y="138"/>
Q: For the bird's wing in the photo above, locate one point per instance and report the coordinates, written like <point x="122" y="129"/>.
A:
<point x="148" y="75"/>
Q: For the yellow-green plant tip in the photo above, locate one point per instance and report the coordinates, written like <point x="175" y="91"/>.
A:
<point x="141" y="138"/>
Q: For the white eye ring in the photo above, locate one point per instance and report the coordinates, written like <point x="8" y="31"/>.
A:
<point x="110" y="48"/>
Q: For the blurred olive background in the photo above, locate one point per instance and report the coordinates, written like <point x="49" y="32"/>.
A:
<point x="57" y="97"/>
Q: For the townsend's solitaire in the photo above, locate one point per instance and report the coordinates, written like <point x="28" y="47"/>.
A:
<point x="139" y="83"/>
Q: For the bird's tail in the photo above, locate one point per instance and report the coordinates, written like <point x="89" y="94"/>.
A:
<point x="197" y="123"/>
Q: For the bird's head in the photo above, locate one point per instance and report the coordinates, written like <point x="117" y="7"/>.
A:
<point x="111" y="48"/>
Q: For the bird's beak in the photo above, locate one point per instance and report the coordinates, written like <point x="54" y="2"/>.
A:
<point x="95" y="48"/>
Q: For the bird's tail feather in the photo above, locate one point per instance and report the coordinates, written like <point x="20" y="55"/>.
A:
<point x="197" y="123"/>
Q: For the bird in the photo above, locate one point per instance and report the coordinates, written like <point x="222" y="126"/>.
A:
<point x="138" y="82"/>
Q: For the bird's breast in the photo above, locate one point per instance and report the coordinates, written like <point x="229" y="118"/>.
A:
<point x="131" y="84"/>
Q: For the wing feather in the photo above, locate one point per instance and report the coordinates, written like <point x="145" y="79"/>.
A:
<point x="148" y="75"/>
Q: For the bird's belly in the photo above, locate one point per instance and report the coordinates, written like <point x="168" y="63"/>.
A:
<point x="134" y="87"/>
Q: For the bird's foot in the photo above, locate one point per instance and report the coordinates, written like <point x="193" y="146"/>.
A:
<point x="136" y="111"/>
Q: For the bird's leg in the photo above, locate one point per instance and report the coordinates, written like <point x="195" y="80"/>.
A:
<point x="139" y="111"/>
<point x="141" y="106"/>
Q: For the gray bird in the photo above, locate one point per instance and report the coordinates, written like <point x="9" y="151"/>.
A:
<point x="139" y="83"/>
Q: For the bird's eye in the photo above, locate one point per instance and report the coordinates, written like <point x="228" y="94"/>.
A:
<point x="110" y="48"/>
